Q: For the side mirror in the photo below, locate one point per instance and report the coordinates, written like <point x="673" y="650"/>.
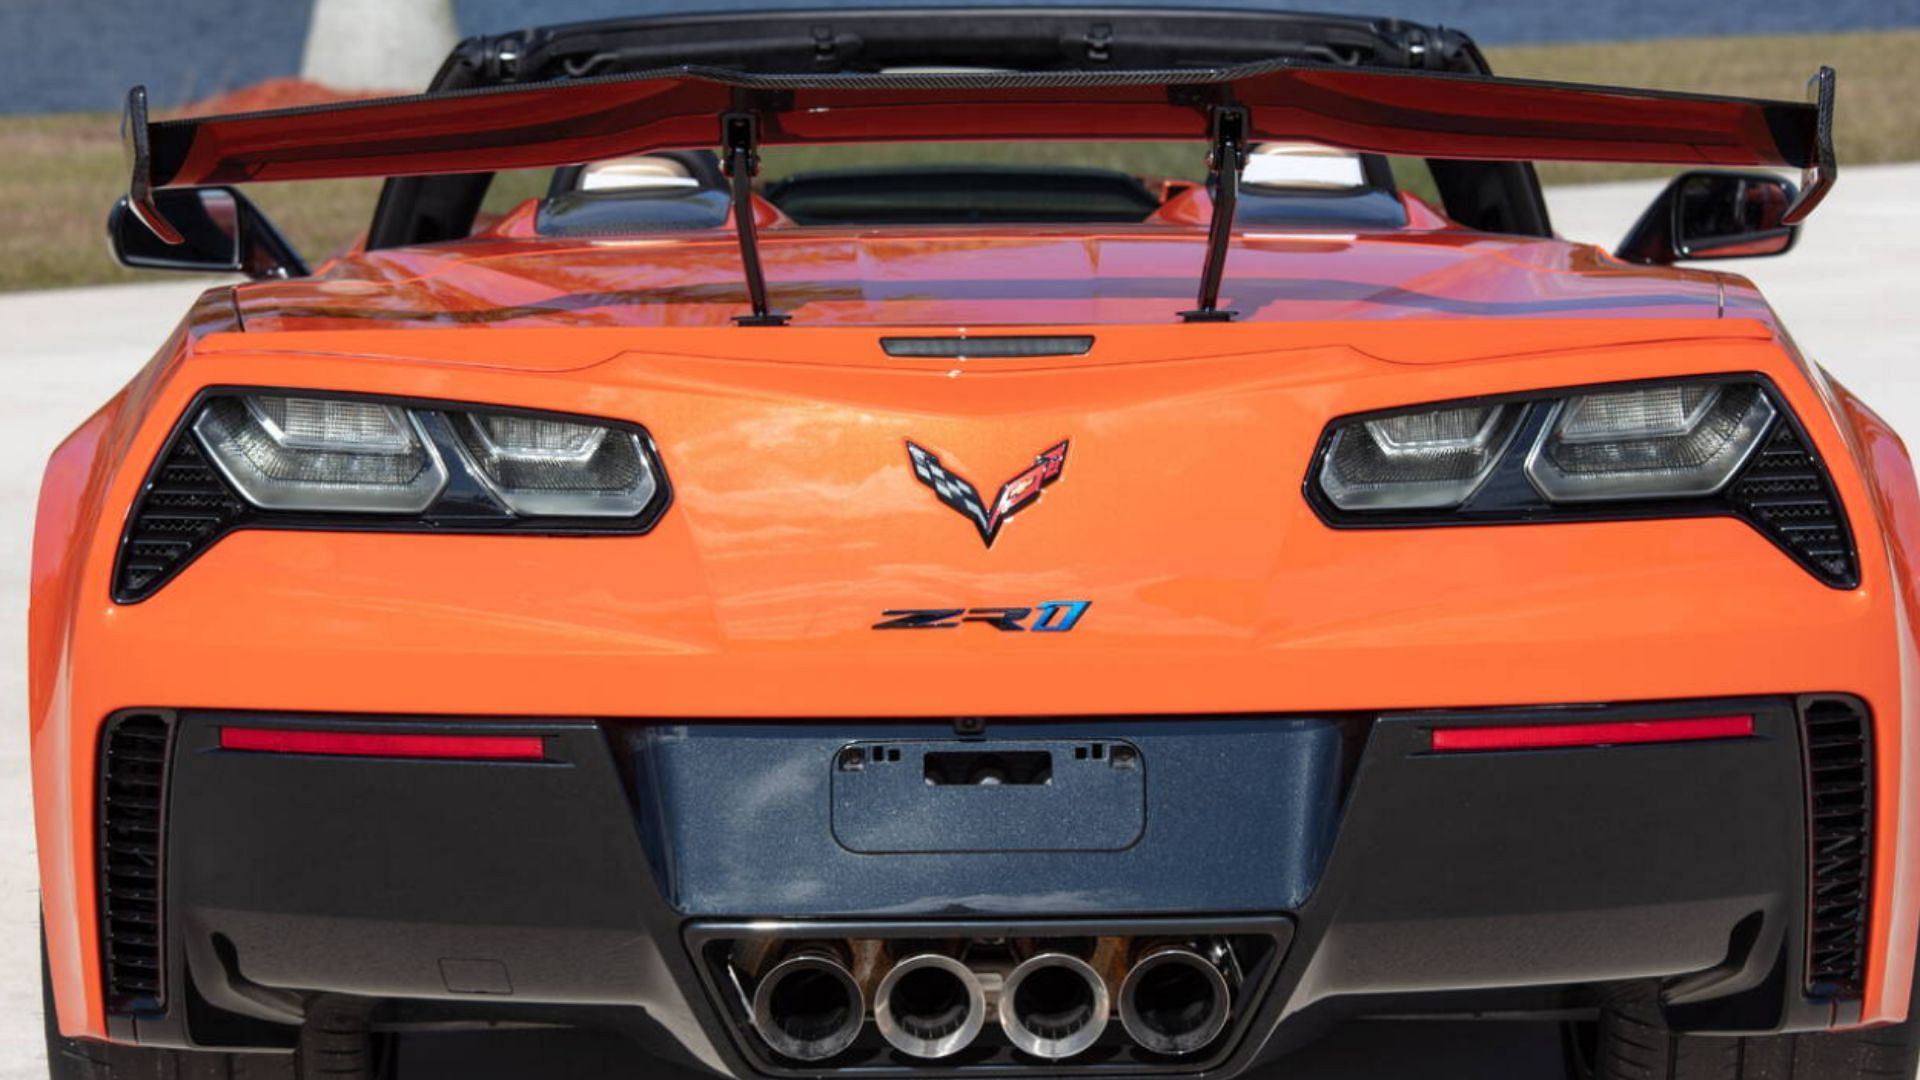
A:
<point x="1713" y="215"/>
<point x="224" y="234"/>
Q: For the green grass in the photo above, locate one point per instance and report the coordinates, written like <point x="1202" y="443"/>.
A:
<point x="1167" y="159"/>
<point x="1874" y="100"/>
<point x="58" y="174"/>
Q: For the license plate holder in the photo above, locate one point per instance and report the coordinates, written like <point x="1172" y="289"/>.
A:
<point x="970" y="795"/>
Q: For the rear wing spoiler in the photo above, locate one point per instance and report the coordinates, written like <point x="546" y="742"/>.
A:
<point x="1369" y="110"/>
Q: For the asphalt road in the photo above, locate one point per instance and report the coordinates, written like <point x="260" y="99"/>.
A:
<point x="1850" y="292"/>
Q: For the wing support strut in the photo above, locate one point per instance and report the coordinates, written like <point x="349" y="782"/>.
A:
<point x="740" y="139"/>
<point x="1227" y="157"/>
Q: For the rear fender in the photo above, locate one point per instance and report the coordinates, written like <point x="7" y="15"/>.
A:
<point x="71" y="512"/>
<point x="1888" y="472"/>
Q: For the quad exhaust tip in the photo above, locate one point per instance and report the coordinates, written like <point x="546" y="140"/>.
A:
<point x="1053" y="1006"/>
<point x="1174" y="1001"/>
<point x="930" y="1006"/>
<point x="809" y="1007"/>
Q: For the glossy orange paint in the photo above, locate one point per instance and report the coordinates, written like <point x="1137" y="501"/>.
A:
<point x="943" y="276"/>
<point x="797" y="520"/>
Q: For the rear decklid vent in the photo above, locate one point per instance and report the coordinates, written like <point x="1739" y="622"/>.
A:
<point x="1839" y="758"/>
<point x="133" y="771"/>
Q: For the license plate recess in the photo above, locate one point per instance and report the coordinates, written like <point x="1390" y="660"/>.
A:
<point x="970" y="795"/>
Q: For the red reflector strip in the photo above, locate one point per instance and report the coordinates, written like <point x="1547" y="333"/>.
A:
<point x="1547" y="736"/>
<point x="374" y="744"/>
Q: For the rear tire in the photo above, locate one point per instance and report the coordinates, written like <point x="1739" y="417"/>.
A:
<point x="1635" y="1045"/>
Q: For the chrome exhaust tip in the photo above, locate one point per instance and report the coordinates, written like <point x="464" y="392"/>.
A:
<point x="1174" y="1001"/>
<point x="1053" y="1006"/>
<point x="930" y="1006"/>
<point x="808" y="1007"/>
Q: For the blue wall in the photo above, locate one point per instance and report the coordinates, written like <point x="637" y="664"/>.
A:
<point x="67" y="55"/>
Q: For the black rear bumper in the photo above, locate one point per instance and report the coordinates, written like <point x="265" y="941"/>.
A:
<point x="568" y="888"/>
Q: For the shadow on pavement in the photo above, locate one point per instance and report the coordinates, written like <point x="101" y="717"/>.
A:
<point x="1378" y="1050"/>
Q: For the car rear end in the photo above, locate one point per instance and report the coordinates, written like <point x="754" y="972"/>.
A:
<point x="806" y="728"/>
<point x="961" y="649"/>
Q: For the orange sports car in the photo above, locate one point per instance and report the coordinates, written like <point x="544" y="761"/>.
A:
<point x="956" y="543"/>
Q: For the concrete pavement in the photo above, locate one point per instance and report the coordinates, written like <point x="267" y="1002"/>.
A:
<point x="1850" y="292"/>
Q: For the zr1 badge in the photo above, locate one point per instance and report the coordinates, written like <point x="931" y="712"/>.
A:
<point x="1052" y="617"/>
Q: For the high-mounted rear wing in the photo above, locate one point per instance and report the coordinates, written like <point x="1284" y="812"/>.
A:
<point x="1369" y="110"/>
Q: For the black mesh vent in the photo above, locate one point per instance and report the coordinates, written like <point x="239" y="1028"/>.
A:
<point x="133" y="773"/>
<point x="185" y="508"/>
<point x="1785" y="493"/>
<point x="1839" y="801"/>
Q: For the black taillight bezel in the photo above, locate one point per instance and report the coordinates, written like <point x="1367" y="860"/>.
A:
<point x="462" y="508"/>
<point x="1507" y="497"/>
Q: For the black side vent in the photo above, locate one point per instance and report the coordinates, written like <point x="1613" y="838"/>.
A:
<point x="1785" y="493"/>
<point x="1840" y="816"/>
<point x="133" y="770"/>
<point x="185" y="507"/>
<point x="987" y="348"/>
